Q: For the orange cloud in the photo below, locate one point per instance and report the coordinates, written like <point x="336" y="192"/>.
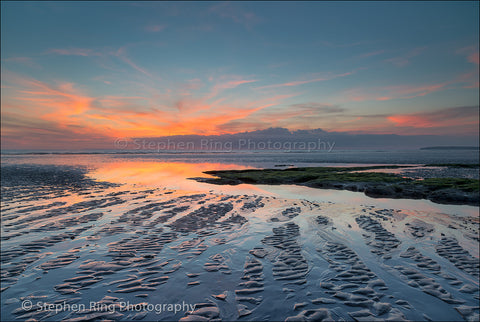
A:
<point x="463" y="120"/>
<point x="61" y="104"/>
<point x="410" y="120"/>
<point x="66" y="109"/>
<point x="451" y="118"/>
<point x="383" y="98"/>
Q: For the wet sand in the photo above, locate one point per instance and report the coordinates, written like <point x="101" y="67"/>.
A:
<point x="233" y="256"/>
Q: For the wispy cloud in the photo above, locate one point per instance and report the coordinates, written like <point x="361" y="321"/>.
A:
<point x="469" y="80"/>
<point x="458" y="120"/>
<point x="391" y="92"/>
<point x="463" y="120"/>
<point x="277" y="65"/>
<point x="203" y="27"/>
<point x="344" y="45"/>
<point x="311" y="80"/>
<point x="466" y="50"/>
<point x="22" y="60"/>
<point x="471" y="52"/>
<point x="224" y="82"/>
<point x="386" y="93"/>
<point x="294" y="116"/>
<point x="234" y="12"/>
<point x="230" y="84"/>
<point x="315" y="107"/>
<point x="372" y="53"/>
<point x="404" y="60"/>
<point x="74" y="52"/>
<point x="105" y="54"/>
<point x="21" y="130"/>
<point x="129" y="62"/>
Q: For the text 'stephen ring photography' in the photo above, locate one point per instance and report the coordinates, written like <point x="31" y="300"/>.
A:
<point x="240" y="161"/>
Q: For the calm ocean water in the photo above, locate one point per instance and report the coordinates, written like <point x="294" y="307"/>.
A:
<point x="251" y="159"/>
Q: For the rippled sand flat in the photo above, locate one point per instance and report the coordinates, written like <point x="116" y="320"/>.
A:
<point x="233" y="256"/>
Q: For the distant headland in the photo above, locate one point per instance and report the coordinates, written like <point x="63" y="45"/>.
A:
<point x="450" y="148"/>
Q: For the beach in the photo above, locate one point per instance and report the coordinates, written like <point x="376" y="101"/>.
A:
<point x="138" y="240"/>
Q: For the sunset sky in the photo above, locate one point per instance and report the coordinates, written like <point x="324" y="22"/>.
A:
<point x="80" y="74"/>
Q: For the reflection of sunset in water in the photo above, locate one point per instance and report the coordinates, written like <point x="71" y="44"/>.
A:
<point x="152" y="171"/>
<point x="166" y="174"/>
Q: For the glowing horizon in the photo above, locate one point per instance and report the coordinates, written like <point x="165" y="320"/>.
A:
<point x="163" y="68"/>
